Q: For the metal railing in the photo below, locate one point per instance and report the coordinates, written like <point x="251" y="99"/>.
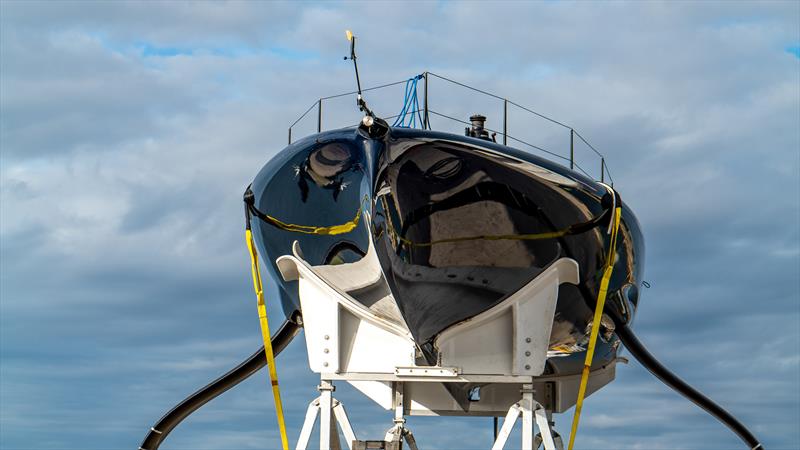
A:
<point x="427" y="112"/>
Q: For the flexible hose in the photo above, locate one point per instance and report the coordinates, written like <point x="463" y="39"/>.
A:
<point x="645" y="358"/>
<point x="192" y="403"/>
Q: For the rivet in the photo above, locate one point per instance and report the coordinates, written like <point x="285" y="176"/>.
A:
<point x="527" y="366"/>
<point x="326" y="364"/>
<point x="327" y="337"/>
<point x="526" y="353"/>
<point x="528" y="340"/>
<point x="326" y="350"/>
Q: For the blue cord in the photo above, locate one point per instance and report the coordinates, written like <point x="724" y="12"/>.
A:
<point x="410" y="106"/>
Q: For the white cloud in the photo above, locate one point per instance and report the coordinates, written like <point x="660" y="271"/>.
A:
<point x="124" y="280"/>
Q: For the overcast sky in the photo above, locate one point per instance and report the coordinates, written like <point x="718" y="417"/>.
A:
<point x="129" y="131"/>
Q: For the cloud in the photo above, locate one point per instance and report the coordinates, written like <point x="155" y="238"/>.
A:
<point x="128" y="132"/>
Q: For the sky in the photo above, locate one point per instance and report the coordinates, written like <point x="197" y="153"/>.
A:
<point x="128" y="132"/>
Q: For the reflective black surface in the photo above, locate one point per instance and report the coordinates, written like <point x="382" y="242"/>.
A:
<point x="451" y="219"/>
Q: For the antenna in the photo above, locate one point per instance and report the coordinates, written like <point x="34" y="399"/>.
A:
<point x="362" y="105"/>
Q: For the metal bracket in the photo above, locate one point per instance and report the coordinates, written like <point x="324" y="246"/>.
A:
<point x="447" y="372"/>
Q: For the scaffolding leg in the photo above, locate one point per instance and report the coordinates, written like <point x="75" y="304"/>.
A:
<point x="527" y="416"/>
<point x="508" y="425"/>
<point x="331" y="412"/>
<point x="344" y="423"/>
<point x="308" y="424"/>
<point x="399" y="431"/>
<point x="544" y="429"/>
<point x="530" y="410"/>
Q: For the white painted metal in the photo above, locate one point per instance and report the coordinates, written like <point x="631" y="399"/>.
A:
<point x="502" y="349"/>
<point x="308" y="424"/>
<point x="331" y="412"/>
<point x="325" y="407"/>
<point x="344" y="423"/>
<point x="544" y="428"/>
<point x="508" y="425"/>
<point x="530" y="410"/>
<point x="342" y="335"/>
<point x="426" y="371"/>
<point x="512" y="337"/>
<point x="526" y="405"/>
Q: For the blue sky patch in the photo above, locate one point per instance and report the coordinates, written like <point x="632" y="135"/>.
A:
<point x="293" y="54"/>
<point x="153" y="50"/>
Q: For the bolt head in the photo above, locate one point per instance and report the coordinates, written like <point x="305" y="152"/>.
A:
<point x="527" y="366"/>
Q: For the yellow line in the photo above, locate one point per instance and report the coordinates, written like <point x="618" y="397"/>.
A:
<point x="598" y="314"/>
<point x="262" y="315"/>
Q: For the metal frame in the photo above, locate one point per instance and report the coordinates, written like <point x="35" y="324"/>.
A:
<point x="604" y="172"/>
<point x="348" y="341"/>
<point x="531" y="411"/>
<point x="328" y="432"/>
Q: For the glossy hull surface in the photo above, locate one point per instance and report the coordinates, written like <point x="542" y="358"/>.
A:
<point x="457" y="223"/>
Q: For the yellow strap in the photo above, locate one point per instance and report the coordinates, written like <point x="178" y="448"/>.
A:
<point x="262" y="315"/>
<point x="598" y="314"/>
<point x="484" y="237"/>
<point x="312" y="229"/>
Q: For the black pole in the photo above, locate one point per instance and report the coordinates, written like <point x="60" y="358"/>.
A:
<point x="495" y="428"/>
<point x="355" y="64"/>
<point x="319" y="116"/>
<point x="645" y="358"/>
<point x="602" y="169"/>
<point x="426" y="123"/>
<point x="290" y="135"/>
<point x="505" y="142"/>
<point x="158" y="432"/>
<point x="571" y="149"/>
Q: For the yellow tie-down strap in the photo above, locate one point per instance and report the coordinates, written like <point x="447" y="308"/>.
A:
<point x="331" y="230"/>
<point x="598" y="314"/>
<point x="262" y="315"/>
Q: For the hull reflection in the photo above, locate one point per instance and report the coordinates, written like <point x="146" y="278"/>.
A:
<point x="457" y="223"/>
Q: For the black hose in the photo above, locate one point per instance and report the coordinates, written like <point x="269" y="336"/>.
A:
<point x="646" y="359"/>
<point x="251" y="365"/>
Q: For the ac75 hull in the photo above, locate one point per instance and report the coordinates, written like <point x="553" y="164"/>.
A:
<point x="458" y="224"/>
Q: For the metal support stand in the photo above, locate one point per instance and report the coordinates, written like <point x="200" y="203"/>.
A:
<point x="328" y="432"/>
<point x="399" y="432"/>
<point x="530" y="410"/>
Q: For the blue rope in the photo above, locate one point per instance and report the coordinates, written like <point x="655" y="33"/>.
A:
<point x="410" y="106"/>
